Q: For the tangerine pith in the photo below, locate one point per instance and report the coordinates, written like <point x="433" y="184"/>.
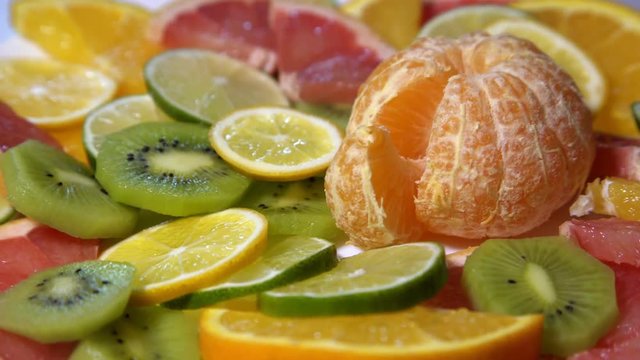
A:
<point x="480" y="136"/>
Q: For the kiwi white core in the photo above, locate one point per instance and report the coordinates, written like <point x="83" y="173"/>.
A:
<point x="69" y="177"/>
<point x="181" y="163"/>
<point x="63" y="286"/>
<point x="537" y="277"/>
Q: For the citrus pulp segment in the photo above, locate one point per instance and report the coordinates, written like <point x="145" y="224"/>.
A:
<point x="184" y="255"/>
<point x="115" y="116"/>
<point x="285" y="260"/>
<point x="468" y="19"/>
<point x="601" y="29"/>
<point x="109" y="35"/>
<point x="202" y="86"/>
<point x="276" y="143"/>
<point x="51" y="93"/>
<point x="571" y="58"/>
<point x="397" y="25"/>
<point x="418" y="333"/>
<point x="609" y="196"/>
<point x="386" y="279"/>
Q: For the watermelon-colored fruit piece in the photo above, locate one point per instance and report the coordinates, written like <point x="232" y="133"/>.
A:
<point x="14" y="130"/>
<point x="237" y="28"/>
<point x="616" y="157"/>
<point x="16" y="347"/>
<point x="623" y="342"/>
<point x="431" y="8"/>
<point x="323" y="56"/>
<point x="20" y="258"/>
<point x="62" y="248"/>
<point x="613" y="240"/>
<point x="452" y="294"/>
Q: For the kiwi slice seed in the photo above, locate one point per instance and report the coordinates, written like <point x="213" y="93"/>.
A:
<point x="55" y="189"/>
<point x="145" y="333"/>
<point x="548" y="275"/>
<point x="293" y="208"/>
<point x="168" y="168"/>
<point x="68" y="302"/>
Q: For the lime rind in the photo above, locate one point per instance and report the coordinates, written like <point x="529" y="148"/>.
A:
<point x="468" y="19"/>
<point x="286" y="259"/>
<point x="378" y="280"/>
<point x="115" y="116"/>
<point x="635" y="110"/>
<point x="201" y="86"/>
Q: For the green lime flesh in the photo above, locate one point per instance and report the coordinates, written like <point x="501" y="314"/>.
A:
<point x="378" y="280"/>
<point x="548" y="275"/>
<point x="115" y="116"/>
<point x="635" y="110"/>
<point x="53" y="188"/>
<point x="143" y="333"/>
<point x="68" y="302"/>
<point x="202" y="86"/>
<point x="285" y="260"/>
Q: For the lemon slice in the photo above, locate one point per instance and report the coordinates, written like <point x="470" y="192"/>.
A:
<point x="276" y="143"/>
<point x="417" y="333"/>
<point x="179" y="257"/>
<point x="396" y="24"/>
<point x="609" y="33"/>
<point x="115" y="116"/>
<point x="564" y="52"/>
<point x="468" y="19"/>
<point x="203" y="86"/>
<point x="51" y="93"/>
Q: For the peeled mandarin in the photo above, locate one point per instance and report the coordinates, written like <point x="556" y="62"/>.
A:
<point x="480" y="136"/>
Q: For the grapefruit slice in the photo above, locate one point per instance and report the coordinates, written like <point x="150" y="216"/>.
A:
<point x="616" y="157"/>
<point x="237" y="28"/>
<point x="613" y="240"/>
<point x="432" y="8"/>
<point x="323" y="56"/>
<point x="14" y="130"/>
<point x="623" y="342"/>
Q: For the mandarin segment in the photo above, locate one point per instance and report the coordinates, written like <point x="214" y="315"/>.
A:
<point x="486" y="136"/>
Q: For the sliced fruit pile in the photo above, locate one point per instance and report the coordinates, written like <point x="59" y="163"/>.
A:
<point x="208" y="191"/>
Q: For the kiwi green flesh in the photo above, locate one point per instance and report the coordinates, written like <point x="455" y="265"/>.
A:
<point x="168" y="168"/>
<point x="337" y="114"/>
<point x="548" y="275"/>
<point x="293" y="208"/>
<point x="147" y="333"/>
<point x="55" y="189"/>
<point x="68" y="302"/>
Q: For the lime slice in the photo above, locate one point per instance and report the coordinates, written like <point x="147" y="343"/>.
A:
<point x="468" y="19"/>
<point x="386" y="279"/>
<point x="564" y="52"/>
<point x="286" y="259"/>
<point x="115" y="116"/>
<point x="202" y="86"/>
<point x="6" y="210"/>
<point x="635" y="109"/>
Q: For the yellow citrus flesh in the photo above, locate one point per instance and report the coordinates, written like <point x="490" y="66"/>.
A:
<point x="179" y="257"/>
<point x="397" y="25"/>
<point x="109" y="35"/>
<point x="276" y="143"/>
<point x="417" y="333"/>
<point x="608" y="33"/>
<point x="571" y="59"/>
<point x="51" y="93"/>
<point x="610" y="196"/>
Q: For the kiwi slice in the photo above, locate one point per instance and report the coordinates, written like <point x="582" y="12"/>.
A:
<point x="147" y="333"/>
<point x="548" y="275"/>
<point x="67" y="302"/>
<point x="57" y="190"/>
<point x="337" y="114"/>
<point x="168" y="168"/>
<point x="293" y="208"/>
